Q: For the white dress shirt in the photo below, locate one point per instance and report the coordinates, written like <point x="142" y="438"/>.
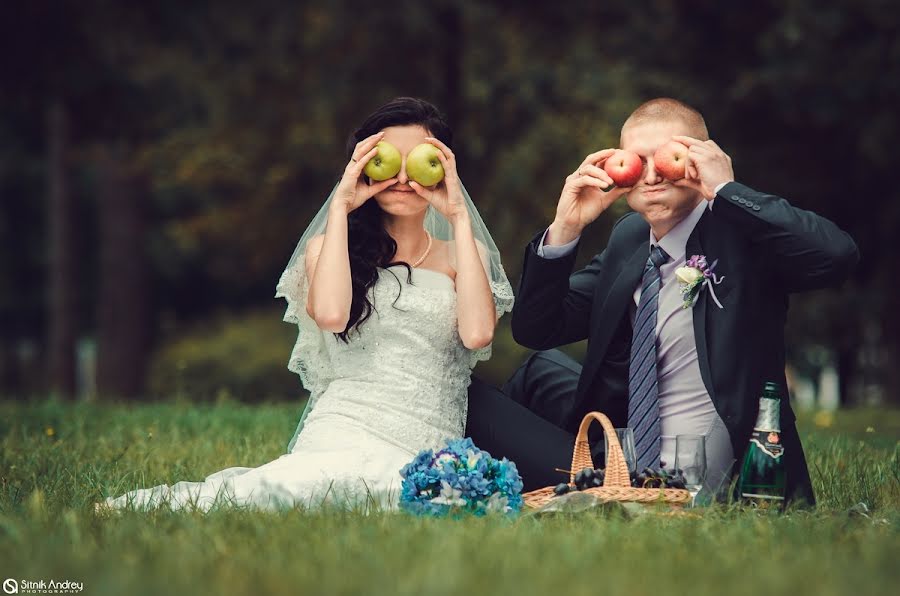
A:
<point x="684" y="403"/>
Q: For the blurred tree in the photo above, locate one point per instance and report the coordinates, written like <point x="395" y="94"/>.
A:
<point x="63" y="268"/>
<point x="829" y="86"/>
<point x="123" y="317"/>
<point x="226" y="123"/>
<point x="39" y="77"/>
<point x="803" y="96"/>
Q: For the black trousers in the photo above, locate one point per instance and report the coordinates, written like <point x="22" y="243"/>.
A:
<point x="522" y="420"/>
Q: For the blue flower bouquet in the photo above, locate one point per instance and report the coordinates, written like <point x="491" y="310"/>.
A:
<point x="460" y="478"/>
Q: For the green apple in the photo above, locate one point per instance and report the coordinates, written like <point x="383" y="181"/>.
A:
<point x="385" y="164"/>
<point x="423" y="165"/>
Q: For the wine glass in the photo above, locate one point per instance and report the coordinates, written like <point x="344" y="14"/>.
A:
<point x="626" y="440"/>
<point x="690" y="459"/>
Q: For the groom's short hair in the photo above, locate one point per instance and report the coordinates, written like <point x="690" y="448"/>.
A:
<point x="666" y="109"/>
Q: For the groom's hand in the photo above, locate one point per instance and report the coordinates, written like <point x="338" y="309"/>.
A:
<point x="588" y="192"/>
<point x="707" y="166"/>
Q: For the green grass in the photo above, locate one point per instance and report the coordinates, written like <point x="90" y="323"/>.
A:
<point x="47" y="530"/>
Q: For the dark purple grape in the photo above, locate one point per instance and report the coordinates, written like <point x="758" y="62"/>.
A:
<point x="579" y="477"/>
<point x="653" y="483"/>
<point x="561" y="489"/>
<point x="581" y="482"/>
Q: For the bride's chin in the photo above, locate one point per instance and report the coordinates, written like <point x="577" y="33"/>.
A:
<point x="401" y="205"/>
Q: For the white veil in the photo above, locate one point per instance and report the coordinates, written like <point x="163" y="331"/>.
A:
<point x="310" y="357"/>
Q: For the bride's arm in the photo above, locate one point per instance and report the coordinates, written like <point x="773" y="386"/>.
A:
<point x="328" y="256"/>
<point x="328" y="269"/>
<point x="476" y="314"/>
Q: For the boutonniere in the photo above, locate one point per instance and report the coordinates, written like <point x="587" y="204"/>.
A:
<point x="693" y="276"/>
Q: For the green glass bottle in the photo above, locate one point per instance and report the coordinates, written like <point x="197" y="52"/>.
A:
<point x="762" y="472"/>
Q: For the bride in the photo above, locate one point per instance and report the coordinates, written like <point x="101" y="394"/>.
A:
<point x="396" y="289"/>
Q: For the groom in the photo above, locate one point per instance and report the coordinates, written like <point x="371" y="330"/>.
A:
<point x="652" y="364"/>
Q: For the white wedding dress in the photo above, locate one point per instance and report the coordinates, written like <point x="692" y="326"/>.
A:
<point x="399" y="386"/>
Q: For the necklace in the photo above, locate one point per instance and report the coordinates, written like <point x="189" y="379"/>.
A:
<point x="424" y="254"/>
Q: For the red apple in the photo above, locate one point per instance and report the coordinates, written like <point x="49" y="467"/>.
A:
<point x="670" y="159"/>
<point x="624" y="167"/>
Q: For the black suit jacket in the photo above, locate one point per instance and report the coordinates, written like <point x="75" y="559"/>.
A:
<point x="766" y="249"/>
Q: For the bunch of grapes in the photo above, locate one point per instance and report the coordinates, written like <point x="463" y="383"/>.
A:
<point x="584" y="479"/>
<point x="662" y="478"/>
<point x="647" y="478"/>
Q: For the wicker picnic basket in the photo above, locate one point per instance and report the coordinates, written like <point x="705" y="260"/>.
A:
<point x="617" y="483"/>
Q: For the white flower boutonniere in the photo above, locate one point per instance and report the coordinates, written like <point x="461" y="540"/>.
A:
<point x="693" y="276"/>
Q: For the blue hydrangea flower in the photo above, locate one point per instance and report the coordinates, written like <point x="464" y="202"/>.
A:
<point x="460" y="478"/>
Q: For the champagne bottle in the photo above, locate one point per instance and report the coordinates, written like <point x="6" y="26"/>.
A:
<point x="762" y="472"/>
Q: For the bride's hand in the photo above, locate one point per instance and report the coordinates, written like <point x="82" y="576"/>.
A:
<point x="447" y="198"/>
<point x="352" y="191"/>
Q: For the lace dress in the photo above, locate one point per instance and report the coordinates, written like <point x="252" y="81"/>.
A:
<point x="398" y="386"/>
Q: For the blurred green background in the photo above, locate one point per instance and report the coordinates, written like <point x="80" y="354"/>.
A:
<point x="158" y="162"/>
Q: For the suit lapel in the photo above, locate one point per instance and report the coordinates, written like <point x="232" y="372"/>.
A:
<point x="701" y="307"/>
<point x="625" y="284"/>
<point x="613" y="308"/>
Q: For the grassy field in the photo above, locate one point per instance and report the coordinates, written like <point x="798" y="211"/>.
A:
<point x="57" y="459"/>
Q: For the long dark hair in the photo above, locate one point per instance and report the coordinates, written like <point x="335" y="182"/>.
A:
<point x="370" y="245"/>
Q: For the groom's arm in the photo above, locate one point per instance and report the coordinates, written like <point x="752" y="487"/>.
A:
<point x="806" y="250"/>
<point x="803" y="251"/>
<point x="552" y="307"/>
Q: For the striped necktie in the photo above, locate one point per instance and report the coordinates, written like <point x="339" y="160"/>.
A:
<point x="643" y="405"/>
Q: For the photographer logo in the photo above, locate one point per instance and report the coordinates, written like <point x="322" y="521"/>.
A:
<point x="12" y="586"/>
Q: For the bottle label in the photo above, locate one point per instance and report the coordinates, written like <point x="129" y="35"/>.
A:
<point x="769" y="442"/>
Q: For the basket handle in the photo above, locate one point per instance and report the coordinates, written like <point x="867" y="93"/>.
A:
<point x="616" y="468"/>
